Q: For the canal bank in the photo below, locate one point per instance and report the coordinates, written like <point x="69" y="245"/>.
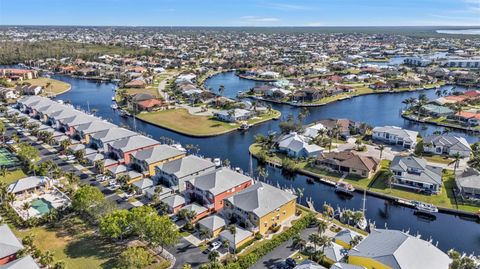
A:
<point x="376" y="110"/>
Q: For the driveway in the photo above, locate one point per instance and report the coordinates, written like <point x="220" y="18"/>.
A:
<point x="185" y="252"/>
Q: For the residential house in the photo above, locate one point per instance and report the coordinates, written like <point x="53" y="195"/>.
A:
<point x="447" y="144"/>
<point x="396" y="136"/>
<point x="344" y="127"/>
<point x="471" y="118"/>
<point x="345" y="237"/>
<point x="28" y="184"/>
<point x="241" y="237"/>
<point x="260" y="207"/>
<point x="234" y="115"/>
<point x="175" y="173"/>
<point x="436" y="110"/>
<point x="148" y="159"/>
<point x="397" y="250"/>
<point x="468" y="183"/>
<point x="8" y="93"/>
<point x="342" y="265"/>
<point x="18" y="74"/>
<point x="211" y="188"/>
<point x="213" y="224"/>
<point x="29" y="89"/>
<point x="308" y="95"/>
<point x="307" y="264"/>
<point x="86" y="130"/>
<point x="174" y="203"/>
<point x="26" y="262"/>
<point x="9" y="245"/>
<point x="297" y="146"/>
<point x="122" y="149"/>
<point x="414" y="173"/>
<point x="200" y="211"/>
<point x="348" y="162"/>
<point x="100" y="140"/>
<point x="139" y="82"/>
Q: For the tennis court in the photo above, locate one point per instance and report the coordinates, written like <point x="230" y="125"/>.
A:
<point x="8" y="159"/>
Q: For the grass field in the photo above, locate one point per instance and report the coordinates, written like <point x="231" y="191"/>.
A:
<point x="74" y="243"/>
<point x="13" y="176"/>
<point x="181" y="121"/>
<point x="56" y="87"/>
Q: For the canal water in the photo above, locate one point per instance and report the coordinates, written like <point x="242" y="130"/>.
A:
<point x="450" y="231"/>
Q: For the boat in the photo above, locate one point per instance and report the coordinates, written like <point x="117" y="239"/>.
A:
<point x="217" y="162"/>
<point x="424" y="207"/>
<point x="179" y="147"/>
<point x="362" y="223"/>
<point x="114" y="106"/>
<point x="244" y="126"/>
<point x="310" y="180"/>
<point x="124" y="113"/>
<point x="113" y="98"/>
<point x="344" y="187"/>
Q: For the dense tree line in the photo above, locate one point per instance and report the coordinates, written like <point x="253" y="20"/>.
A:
<point x="22" y="52"/>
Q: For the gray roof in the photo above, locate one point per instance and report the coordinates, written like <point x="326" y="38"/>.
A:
<point x="341" y="265"/>
<point x="143" y="183"/>
<point x="133" y="142"/>
<point x="400" y="250"/>
<point x="334" y="252"/>
<point x="346" y="235"/>
<point x="157" y="153"/>
<point x="9" y="244"/>
<point x="185" y="166"/>
<point x="240" y="235"/>
<point x="219" y="181"/>
<point x="309" y="265"/>
<point x="468" y="178"/>
<point x="95" y="126"/>
<point x="27" y="183"/>
<point x="452" y="142"/>
<point x="261" y="199"/>
<point x="427" y="173"/>
<point x="407" y="135"/>
<point x="26" y="262"/>
<point x="113" y="134"/>
<point x="213" y="222"/>
<point x="174" y="200"/>
<point x="196" y="208"/>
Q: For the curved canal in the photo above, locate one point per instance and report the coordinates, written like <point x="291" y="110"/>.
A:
<point x="450" y="231"/>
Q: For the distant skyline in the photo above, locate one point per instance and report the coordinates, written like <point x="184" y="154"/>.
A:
<point x="241" y="12"/>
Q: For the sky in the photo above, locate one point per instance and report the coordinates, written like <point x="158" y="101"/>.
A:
<point x="241" y="12"/>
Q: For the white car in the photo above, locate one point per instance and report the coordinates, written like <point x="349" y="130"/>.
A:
<point x="70" y="157"/>
<point x="215" y="245"/>
<point x="10" y="142"/>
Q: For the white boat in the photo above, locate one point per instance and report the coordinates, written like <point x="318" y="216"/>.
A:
<point x="114" y="106"/>
<point x="179" y="147"/>
<point x="424" y="207"/>
<point x="344" y="187"/>
<point x="362" y="223"/>
<point x="113" y="98"/>
<point x="217" y="162"/>
<point x="244" y="126"/>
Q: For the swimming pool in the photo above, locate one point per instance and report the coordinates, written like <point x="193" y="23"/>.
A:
<point x="41" y="205"/>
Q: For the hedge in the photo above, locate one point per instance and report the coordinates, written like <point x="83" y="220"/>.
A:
<point x="254" y="256"/>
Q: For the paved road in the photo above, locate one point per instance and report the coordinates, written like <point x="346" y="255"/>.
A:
<point x="185" y="252"/>
<point x="279" y="254"/>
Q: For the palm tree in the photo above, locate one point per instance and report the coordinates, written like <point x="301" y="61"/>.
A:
<point x="26" y="206"/>
<point x="47" y="258"/>
<point x="325" y="241"/>
<point x="233" y="230"/>
<point x="213" y="256"/>
<point x="381" y="148"/>
<point x="315" y="239"/>
<point x="456" y="162"/>
<point x="355" y="241"/>
<point x="321" y="226"/>
<point x="388" y="177"/>
<point x="262" y="172"/>
<point x="205" y="234"/>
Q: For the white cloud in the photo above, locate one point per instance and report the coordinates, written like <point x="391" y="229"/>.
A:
<point x="253" y="19"/>
<point x="314" y="24"/>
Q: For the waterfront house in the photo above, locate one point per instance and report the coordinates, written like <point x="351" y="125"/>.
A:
<point x="211" y="188"/>
<point x="146" y="160"/>
<point x="342" y="265"/>
<point x="241" y="237"/>
<point x="86" y="130"/>
<point x="397" y="250"/>
<point x="471" y="118"/>
<point x="436" y="110"/>
<point x="28" y="185"/>
<point x="334" y="253"/>
<point x="139" y="82"/>
<point x="174" y="203"/>
<point x="468" y="183"/>
<point x="9" y="245"/>
<point x="344" y="127"/>
<point x="122" y="149"/>
<point x="213" y="224"/>
<point x="175" y="173"/>
<point x="297" y="146"/>
<point x="308" y="95"/>
<point x="29" y="89"/>
<point x="234" y="115"/>
<point x="8" y="93"/>
<point x="18" y="74"/>
<point x="447" y="144"/>
<point x="200" y="211"/>
<point x="348" y="162"/>
<point x="414" y="173"/>
<point x="307" y="264"/>
<point x="396" y="136"/>
<point x="260" y="207"/>
<point x="100" y="140"/>
<point x="314" y="130"/>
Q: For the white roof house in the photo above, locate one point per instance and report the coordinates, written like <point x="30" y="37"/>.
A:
<point x="298" y="146"/>
<point x="27" y="183"/>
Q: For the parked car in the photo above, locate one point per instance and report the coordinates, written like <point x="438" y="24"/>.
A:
<point x="291" y="262"/>
<point x="215" y="245"/>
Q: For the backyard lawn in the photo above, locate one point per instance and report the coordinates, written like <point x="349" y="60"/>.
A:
<point x="56" y="87"/>
<point x="74" y="243"/>
<point x="181" y="121"/>
<point x="13" y="176"/>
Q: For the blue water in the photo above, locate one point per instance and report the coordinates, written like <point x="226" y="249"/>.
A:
<point x="451" y="231"/>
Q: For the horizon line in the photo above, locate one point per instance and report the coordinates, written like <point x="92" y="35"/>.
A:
<point x="236" y="26"/>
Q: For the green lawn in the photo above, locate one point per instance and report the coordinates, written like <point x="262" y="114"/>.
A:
<point x="181" y="121"/>
<point x="13" y="176"/>
<point x="56" y="87"/>
<point x="437" y="159"/>
<point x="75" y="244"/>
